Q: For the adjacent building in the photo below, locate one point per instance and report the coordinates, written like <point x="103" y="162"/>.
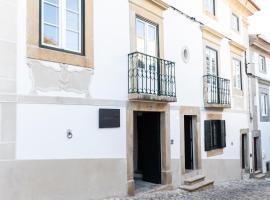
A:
<point x="98" y="95"/>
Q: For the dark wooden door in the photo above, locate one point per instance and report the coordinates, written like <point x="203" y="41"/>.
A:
<point x="244" y="150"/>
<point x="255" y="153"/>
<point x="189" y="160"/>
<point x="150" y="147"/>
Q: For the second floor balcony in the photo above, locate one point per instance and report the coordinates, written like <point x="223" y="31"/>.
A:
<point x="151" y="78"/>
<point x="216" y="92"/>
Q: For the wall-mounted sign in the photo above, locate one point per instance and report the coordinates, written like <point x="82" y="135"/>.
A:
<point x="109" y="118"/>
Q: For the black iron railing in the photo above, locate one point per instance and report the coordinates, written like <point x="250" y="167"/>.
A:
<point x="217" y="90"/>
<point x="151" y="75"/>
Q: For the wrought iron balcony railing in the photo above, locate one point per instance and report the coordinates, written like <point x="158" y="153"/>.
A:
<point x="216" y="91"/>
<point x="151" y="75"/>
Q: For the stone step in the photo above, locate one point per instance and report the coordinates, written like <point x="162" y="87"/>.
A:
<point x="197" y="186"/>
<point x="194" y="180"/>
<point x="260" y="176"/>
<point x="258" y="172"/>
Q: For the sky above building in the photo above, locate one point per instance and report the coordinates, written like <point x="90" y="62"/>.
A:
<point x="259" y="23"/>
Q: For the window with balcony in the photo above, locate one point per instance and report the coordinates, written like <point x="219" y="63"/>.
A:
<point x="262" y="64"/>
<point x="216" y="89"/>
<point x="61" y="25"/>
<point x="210" y="6"/>
<point x="235" y="22"/>
<point x="150" y="75"/>
<point x="237" y="74"/>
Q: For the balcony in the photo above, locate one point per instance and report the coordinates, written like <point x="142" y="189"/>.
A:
<point x="216" y="92"/>
<point x="151" y="78"/>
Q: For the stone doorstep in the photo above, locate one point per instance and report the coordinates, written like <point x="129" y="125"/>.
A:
<point x="257" y="172"/>
<point x="193" y="180"/>
<point x="260" y="176"/>
<point x="197" y="186"/>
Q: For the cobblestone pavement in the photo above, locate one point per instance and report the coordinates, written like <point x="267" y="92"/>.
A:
<point x="244" y="189"/>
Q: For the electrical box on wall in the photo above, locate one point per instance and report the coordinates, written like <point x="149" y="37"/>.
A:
<point x="109" y="118"/>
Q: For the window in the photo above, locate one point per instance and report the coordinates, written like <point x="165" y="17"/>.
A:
<point x="264" y="103"/>
<point x="262" y="64"/>
<point x="235" y="22"/>
<point x="211" y="56"/>
<point x="210" y="6"/>
<point x="237" y="75"/>
<point x="61" y="24"/>
<point x="215" y="134"/>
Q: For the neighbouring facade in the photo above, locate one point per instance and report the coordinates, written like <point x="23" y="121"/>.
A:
<point x="259" y="81"/>
<point x="97" y="94"/>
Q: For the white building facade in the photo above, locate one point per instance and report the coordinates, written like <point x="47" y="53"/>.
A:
<point x="97" y="94"/>
<point x="259" y="73"/>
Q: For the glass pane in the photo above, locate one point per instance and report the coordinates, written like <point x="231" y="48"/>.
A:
<point x="72" y="21"/>
<point x="51" y="14"/>
<point x="73" y="5"/>
<point x="151" y="44"/>
<point x="140" y="27"/>
<point x="51" y="35"/>
<point x="56" y="2"/>
<point x="72" y="41"/>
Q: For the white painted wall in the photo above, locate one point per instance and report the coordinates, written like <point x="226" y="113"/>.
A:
<point x="41" y="133"/>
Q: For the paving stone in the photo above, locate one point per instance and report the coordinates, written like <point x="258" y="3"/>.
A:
<point x="250" y="189"/>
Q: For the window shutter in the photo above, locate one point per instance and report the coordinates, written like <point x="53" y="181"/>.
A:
<point x="207" y="135"/>
<point x="223" y="133"/>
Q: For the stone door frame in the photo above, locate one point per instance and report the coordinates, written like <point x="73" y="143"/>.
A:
<point x="164" y="110"/>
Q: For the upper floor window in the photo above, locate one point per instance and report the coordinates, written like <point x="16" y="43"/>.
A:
<point x="237" y="75"/>
<point x="264" y="103"/>
<point x="211" y="56"/>
<point x="235" y="22"/>
<point x="262" y="64"/>
<point x="210" y="6"/>
<point x="61" y="24"/>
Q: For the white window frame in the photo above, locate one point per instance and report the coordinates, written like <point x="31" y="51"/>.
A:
<point x="234" y="16"/>
<point x="210" y="6"/>
<point x="264" y="105"/>
<point x="237" y="74"/>
<point x="262" y="65"/>
<point x="62" y="28"/>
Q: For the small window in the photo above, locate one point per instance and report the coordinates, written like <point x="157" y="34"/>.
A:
<point x="210" y="6"/>
<point x="61" y="24"/>
<point x="237" y="75"/>
<point x="235" y="22"/>
<point x="264" y="103"/>
<point x="215" y="134"/>
<point x="262" y="64"/>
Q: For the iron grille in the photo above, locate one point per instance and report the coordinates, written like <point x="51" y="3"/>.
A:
<point x="151" y="75"/>
<point x="217" y="90"/>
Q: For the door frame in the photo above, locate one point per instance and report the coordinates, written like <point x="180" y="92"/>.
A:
<point x="164" y="110"/>
<point x="245" y="132"/>
<point x="257" y="134"/>
<point x="195" y="112"/>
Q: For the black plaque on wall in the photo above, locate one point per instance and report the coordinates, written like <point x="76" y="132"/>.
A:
<point x="109" y="118"/>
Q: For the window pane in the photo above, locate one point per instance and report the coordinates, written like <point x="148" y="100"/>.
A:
<point x="140" y="27"/>
<point x="56" y="2"/>
<point x="72" y="41"/>
<point x="151" y="43"/>
<point x="72" y="21"/>
<point x="51" y="35"/>
<point x="51" y="14"/>
<point x="73" y="5"/>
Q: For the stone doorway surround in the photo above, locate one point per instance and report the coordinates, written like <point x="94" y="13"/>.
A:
<point x="164" y="109"/>
<point x="257" y="134"/>
<point x="195" y="112"/>
<point x="245" y="132"/>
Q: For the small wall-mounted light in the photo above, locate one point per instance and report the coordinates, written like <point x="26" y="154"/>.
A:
<point x="69" y="134"/>
<point x="172" y="141"/>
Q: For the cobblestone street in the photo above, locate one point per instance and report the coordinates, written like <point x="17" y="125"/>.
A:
<point x="245" y="189"/>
